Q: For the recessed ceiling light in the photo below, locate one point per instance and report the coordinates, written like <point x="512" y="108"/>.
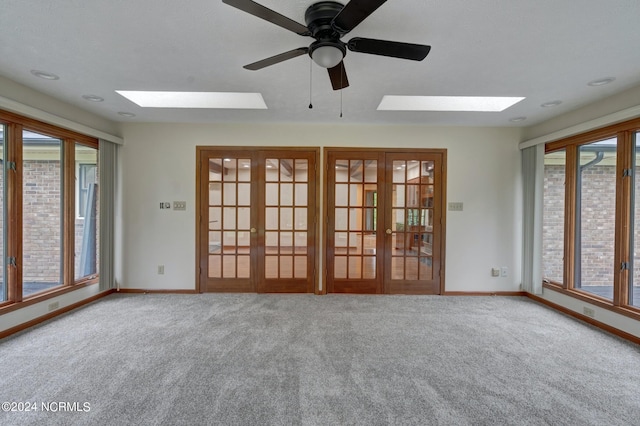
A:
<point x="93" y="98"/>
<point x="550" y="104"/>
<point x="447" y="103"/>
<point x="126" y="114"/>
<point x="45" y="75"/>
<point x="229" y="100"/>
<point x="601" y="82"/>
<point x="517" y="119"/>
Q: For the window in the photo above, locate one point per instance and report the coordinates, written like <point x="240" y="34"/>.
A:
<point x="553" y="216"/>
<point x="3" y="282"/>
<point x="595" y="218"/>
<point x="590" y="237"/>
<point x="634" y="288"/>
<point x="48" y="176"/>
<point x="41" y="212"/>
<point x="86" y="221"/>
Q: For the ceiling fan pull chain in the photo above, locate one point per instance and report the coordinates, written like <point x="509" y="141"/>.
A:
<point x="310" y="74"/>
<point x="341" y="90"/>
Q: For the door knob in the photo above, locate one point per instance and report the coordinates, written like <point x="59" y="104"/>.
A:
<point x="253" y="230"/>
<point x="389" y="232"/>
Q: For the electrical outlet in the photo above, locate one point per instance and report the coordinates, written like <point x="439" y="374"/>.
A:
<point x="504" y="271"/>
<point x="589" y="312"/>
<point x="160" y="269"/>
<point x="53" y="306"/>
<point x="165" y="205"/>
<point x="495" y="272"/>
<point x="179" y="205"/>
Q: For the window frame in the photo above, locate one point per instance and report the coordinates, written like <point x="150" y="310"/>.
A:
<point x="624" y="135"/>
<point x="14" y="126"/>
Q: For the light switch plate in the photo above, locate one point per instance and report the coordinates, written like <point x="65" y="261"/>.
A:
<point x="455" y="206"/>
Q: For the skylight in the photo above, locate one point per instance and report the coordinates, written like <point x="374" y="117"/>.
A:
<point x="447" y="103"/>
<point x="226" y="100"/>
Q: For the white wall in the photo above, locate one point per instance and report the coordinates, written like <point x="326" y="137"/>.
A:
<point x="158" y="164"/>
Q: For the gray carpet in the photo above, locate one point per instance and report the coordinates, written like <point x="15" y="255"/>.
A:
<point x="246" y="359"/>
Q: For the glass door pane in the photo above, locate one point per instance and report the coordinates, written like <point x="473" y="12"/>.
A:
<point x="229" y="218"/>
<point x="288" y="201"/>
<point x="595" y="219"/>
<point x="41" y="213"/>
<point x="354" y="221"/>
<point x="412" y="220"/>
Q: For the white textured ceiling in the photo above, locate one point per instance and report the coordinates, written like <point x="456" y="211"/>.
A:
<point x="544" y="50"/>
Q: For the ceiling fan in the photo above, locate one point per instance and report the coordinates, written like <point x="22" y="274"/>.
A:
<point x="327" y="22"/>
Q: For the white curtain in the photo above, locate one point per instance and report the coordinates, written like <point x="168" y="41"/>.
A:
<point x="533" y="180"/>
<point x="107" y="184"/>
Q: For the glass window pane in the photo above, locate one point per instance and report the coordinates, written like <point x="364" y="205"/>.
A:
<point x="230" y="169"/>
<point x="229" y="218"/>
<point x="286" y="194"/>
<point x="244" y="218"/>
<point x="87" y="208"/>
<point x="271" y="219"/>
<point x="342" y="170"/>
<point x="215" y="194"/>
<point x="355" y="197"/>
<point x="342" y="194"/>
<point x="634" y="289"/>
<point x="286" y="170"/>
<point x="301" y="218"/>
<point x="301" y="194"/>
<point x="302" y="170"/>
<point x="399" y="169"/>
<point x="229" y="195"/>
<point x="340" y="267"/>
<point x="215" y="169"/>
<point x="596" y="199"/>
<point x="300" y="265"/>
<point x="553" y="216"/>
<point x="341" y="222"/>
<point x="286" y="218"/>
<point x="371" y="171"/>
<point x="355" y="267"/>
<point x="244" y="194"/>
<point x="356" y="170"/>
<point x="244" y="170"/>
<point x="42" y="213"/>
<point x="271" y="266"/>
<point x="271" y="194"/>
<point x="3" y="283"/>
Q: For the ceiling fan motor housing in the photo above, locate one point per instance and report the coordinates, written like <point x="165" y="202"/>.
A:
<point x="318" y="18"/>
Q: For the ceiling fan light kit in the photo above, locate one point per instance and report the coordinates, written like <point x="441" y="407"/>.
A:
<point x="327" y="22"/>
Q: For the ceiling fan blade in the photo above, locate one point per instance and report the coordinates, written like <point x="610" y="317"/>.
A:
<point x="353" y="13"/>
<point x="277" y="58"/>
<point x="338" y="76"/>
<point x="415" y="52"/>
<point x="267" y="14"/>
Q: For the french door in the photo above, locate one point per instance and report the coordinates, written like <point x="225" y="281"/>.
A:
<point x="384" y="219"/>
<point x="257" y="219"/>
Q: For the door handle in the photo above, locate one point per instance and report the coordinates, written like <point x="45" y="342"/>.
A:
<point x="389" y="232"/>
<point x="253" y="230"/>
